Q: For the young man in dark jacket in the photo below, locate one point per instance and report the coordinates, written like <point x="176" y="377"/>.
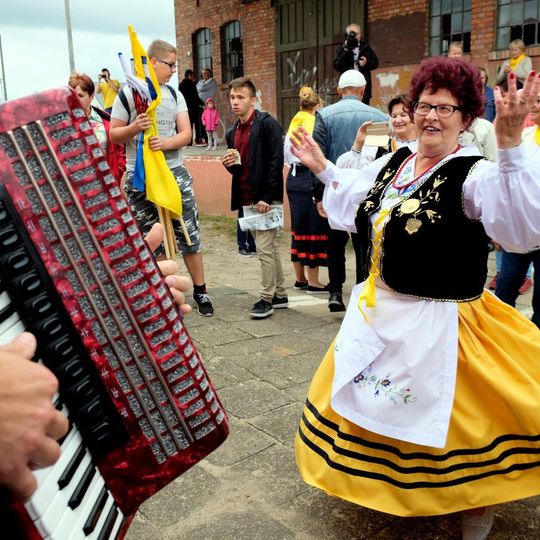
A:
<point x="255" y="160"/>
<point x="356" y="54"/>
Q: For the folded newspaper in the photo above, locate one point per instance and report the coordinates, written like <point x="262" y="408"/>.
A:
<point x="255" y="221"/>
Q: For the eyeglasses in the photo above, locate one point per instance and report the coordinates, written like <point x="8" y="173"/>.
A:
<point x="172" y="65"/>
<point x="443" y="111"/>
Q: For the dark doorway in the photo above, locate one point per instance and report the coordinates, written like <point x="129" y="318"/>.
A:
<point x="307" y="33"/>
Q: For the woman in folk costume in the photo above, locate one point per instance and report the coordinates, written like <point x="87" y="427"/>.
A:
<point x="518" y="63"/>
<point x="309" y="231"/>
<point x="403" y="134"/>
<point x="428" y="401"/>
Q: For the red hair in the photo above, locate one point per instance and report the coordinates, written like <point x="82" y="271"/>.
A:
<point x="458" y="76"/>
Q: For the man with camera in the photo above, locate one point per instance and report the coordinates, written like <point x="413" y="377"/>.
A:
<point x="356" y="54"/>
<point x="108" y="87"/>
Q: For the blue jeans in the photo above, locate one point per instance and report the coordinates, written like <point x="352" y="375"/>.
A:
<point x="244" y="239"/>
<point x="498" y="262"/>
<point x="513" y="271"/>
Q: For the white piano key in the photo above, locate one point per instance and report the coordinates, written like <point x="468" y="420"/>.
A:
<point x="4" y="299"/>
<point x="59" y="499"/>
<point x="10" y="329"/>
<point x="72" y="523"/>
<point x="48" y="487"/>
<point x="42" y="474"/>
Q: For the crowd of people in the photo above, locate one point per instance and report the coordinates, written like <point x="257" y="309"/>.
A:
<point x="399" y="416"/>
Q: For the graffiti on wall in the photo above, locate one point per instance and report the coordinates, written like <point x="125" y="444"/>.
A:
<point x="307" y="76"/>
<point x="388" y="84"/>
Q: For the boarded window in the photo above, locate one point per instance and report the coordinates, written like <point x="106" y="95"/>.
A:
<point x="449" y="20"/>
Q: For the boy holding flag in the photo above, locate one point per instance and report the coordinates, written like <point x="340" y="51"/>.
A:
<point x="173" y="133"/>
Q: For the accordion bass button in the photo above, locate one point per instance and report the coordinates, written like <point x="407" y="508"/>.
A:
<point x="9" y="237"/>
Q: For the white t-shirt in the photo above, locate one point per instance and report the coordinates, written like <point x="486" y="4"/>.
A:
<point x="166" y="123"/>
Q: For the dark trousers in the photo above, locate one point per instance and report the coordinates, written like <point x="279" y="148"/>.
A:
<point x="244" y="239"/>
<point x="514" y="268"/>
<point x="337" y="240"/>
<point x="200" y="132"/>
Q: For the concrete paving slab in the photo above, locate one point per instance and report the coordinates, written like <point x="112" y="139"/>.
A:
<point x="278" y="369"/>
<point x="224" y="372"/>
<point x="219" y="333"/>
<point x="280" y="424"/>
<point x="244" y="441"/>
<point x="251" y="398"/>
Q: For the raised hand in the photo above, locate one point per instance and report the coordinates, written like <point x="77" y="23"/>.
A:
<point x="307" y="151"/>
<point x="513" y="108"/>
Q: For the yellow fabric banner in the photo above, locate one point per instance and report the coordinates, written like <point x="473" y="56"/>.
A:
<point x="161" y="186"/>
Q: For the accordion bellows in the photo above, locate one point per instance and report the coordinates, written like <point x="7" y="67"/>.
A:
<point x="85" y="282"/>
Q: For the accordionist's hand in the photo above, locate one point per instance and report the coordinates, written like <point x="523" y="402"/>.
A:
<point x="29" y="423"/>
<point x="177" y="284"/>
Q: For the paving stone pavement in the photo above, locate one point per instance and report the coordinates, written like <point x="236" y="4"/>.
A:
<point x="249" y="488"/>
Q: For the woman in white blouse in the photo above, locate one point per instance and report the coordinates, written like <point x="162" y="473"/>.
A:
<point x="427" y="402"/>
<point x="403" y="134"/>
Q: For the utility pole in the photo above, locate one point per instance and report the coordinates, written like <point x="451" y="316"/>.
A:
<point x="70" y="38"/>
<point x="2" y="70"/>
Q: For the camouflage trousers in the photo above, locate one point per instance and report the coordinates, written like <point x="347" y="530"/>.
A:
<point x="146" y="212"/>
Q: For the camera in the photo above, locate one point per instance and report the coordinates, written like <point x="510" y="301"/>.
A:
<point x="350" y="41"/>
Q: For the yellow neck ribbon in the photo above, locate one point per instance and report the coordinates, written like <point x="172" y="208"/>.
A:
<point x="368" y="293"/>
<point x="537" y="136"/>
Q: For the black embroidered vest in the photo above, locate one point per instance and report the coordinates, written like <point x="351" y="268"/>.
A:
<point x="430" y="248"/>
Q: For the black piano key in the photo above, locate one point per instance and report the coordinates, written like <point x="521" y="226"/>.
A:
<point x="67" y="475"/>
<point x="82" y="487"/>
<point x="6" y="312"/>
<point x="95" y="513"/>
<point x="105" y="532"/>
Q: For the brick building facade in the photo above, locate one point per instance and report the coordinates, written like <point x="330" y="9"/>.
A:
<point x="399" y="32"/>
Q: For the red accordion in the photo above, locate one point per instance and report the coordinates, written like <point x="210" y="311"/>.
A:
<point x="78" y="274"/>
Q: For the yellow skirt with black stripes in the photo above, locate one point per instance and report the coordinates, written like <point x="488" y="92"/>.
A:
<point x="492" y="453"/>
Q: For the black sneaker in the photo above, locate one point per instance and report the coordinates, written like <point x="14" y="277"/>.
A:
<point x="261" y="309"/>
<point x="245" y="253"/>
<point x="316" y="290"/>
<point x="335" y="302"/>
<point x="300" y="285"/>
<point x="280" y="302"/>
<point x="204" y="304"/>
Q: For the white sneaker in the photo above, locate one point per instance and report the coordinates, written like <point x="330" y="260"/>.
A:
<point x="477" y="526"/>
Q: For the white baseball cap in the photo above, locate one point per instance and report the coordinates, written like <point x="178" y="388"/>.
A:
<point x="350" y="78"/>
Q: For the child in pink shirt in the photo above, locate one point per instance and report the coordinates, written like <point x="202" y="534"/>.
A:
<point x="210" y="120"/>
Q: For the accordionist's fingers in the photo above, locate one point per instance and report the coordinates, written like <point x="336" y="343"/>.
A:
<point x="21" y="483"/>
<point x="46" y="453"/>
<point x="155" y="236"/>
<point x="177" y="286"/>
<point x="24" y="344"/>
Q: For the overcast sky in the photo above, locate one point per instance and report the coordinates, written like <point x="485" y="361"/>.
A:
<point x="34" y="38"/>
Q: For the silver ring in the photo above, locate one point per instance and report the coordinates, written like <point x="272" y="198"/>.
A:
<point x="523" y="101"/>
